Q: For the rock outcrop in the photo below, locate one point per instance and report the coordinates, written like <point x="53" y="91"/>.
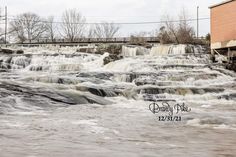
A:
<point x="10" y="51"/>
<point x="231" y="66"/>
<point x="110" y="48"/>
<point x="111" y="58"/>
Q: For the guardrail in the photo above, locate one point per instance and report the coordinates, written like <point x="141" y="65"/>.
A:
<point x="90" y="40"/>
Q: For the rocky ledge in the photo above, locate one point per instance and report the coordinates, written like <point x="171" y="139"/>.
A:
<point x="111" y="58"/>
<point x="10" y="51"/>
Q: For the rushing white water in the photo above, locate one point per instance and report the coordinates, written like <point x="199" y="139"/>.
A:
<point x="161" y="50"/>
<point x="70" y="104"/>
<point x="132" y="51"/>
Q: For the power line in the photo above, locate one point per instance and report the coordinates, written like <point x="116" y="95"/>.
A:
<point x="118" y="23"/>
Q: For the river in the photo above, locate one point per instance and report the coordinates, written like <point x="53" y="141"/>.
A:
<point x="73" y="105"/>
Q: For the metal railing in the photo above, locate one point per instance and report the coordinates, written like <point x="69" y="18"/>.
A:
<point x="89" y="40"/>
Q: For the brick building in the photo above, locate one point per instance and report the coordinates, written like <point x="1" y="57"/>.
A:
<point x="223" y="28"/>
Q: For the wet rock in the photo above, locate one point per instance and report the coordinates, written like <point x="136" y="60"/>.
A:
<point x="7" y="51"/>
<point x="231" y="96"/>
<point x="104" y="76"/>
<point x="99" y="91"/>
<point x="175" y="66"/>
<point x="3" y="70"/>
<point x="178" y="91"/>
<point x="19" y="52"/>
<point x="111" y="58"/>
<point x="5" y="63"/>
<point x="231" y="66"/>
<point x="110" y="48"/>
<point x="65" y="97"/>
<point x="36" y="68"/>
<point x="10" y="51"/>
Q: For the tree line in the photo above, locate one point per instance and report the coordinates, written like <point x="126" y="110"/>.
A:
<point x="73" y="26"/>
<point x="180" y="32"/>
<point x="174" y="30"/>
<point x="30" y="26"/>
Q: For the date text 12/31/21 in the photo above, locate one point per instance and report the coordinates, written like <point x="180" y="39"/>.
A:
<point x="167" y="112"/>
<point x="170" y="118"/>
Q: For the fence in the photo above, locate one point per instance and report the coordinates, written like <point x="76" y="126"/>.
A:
<point x="90" y="40"/>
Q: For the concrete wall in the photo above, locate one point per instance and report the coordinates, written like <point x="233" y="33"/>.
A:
<point x="223" y="25"/>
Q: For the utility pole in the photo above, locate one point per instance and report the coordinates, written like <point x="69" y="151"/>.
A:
<point x="5" y="24"/>
<point x="197" y="22"/>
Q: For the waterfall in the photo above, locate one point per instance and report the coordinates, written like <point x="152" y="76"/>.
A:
<point x="132" y="51"/>
<point x="129" y="51"/>
<point x="162" y="50"/>
<point x="20" y="62"/>
<point x="55" y="63"/>
<point x="52" y="62"/>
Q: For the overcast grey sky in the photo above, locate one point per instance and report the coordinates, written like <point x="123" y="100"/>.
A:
<point x="116" y="10"/>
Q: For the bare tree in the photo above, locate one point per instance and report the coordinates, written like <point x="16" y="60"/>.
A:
<point x="105" y="30"/>
<point x="172" y="29"/>
<point x="90" y="33"/>
<point x="177" y="32"/>
<point x="164" y="36"/>
<point x="51" y="28"/>
<point x="73" y="24"/>
<point x="28" y="26"/>
<point x="185" y="32"/>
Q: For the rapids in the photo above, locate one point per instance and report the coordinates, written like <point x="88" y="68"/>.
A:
<point x="70" y="104"/>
